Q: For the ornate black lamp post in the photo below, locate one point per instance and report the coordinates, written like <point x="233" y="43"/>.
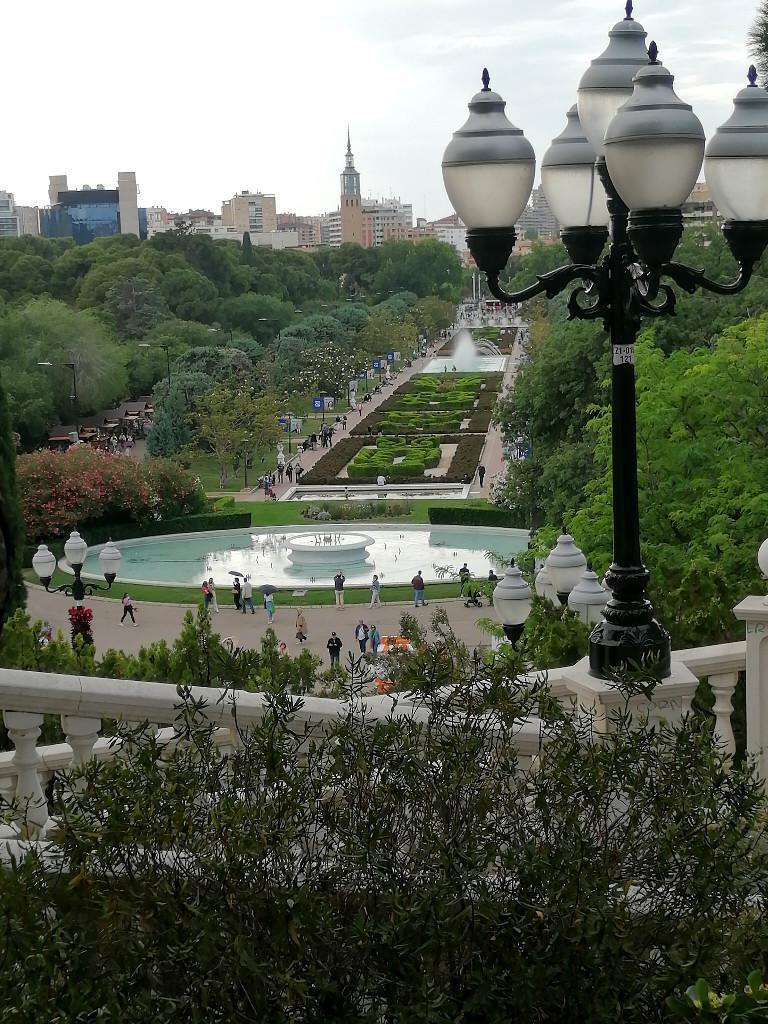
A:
<point x="75" y="551"/>
<point x="648" y="157"/>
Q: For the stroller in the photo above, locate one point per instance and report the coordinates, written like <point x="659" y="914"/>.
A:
<point x="473" y="599"/>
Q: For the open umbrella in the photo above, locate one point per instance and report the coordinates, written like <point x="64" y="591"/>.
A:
<point x="267" y="588"/>
<point x="234" y="572"/>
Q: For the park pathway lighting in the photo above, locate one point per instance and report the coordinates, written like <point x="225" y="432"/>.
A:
<point x="565" y="564"/>
<point x="543" y="584"/>
<point x="588" y="598"/>
<point x="762" y="561"/>
<point x="512" y="601"/>
<point x="75" y="552"/>
<point x="167" y="348"/>
<point x="649" y="147"/>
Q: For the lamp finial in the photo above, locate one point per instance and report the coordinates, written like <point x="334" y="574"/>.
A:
<point x="628" y="10"/>
<point x="653" y="53"/>
<point x="752" y="75"/>
<point x="486" y="78"/>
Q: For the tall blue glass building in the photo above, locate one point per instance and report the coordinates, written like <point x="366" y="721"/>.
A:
<point x="88" y="213"/>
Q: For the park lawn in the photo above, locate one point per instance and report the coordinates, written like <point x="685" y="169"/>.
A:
<point x="316" y="596"/>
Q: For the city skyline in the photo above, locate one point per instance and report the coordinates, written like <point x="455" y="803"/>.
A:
<point x="208" y="116"/>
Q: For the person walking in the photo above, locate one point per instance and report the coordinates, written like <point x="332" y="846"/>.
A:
<point x="289" y="473"/>
<point x="212" y="594"/>
<point x="375" y="592"/>
<point x="361" y="635"/>
<point x="269" y="606"/>
<point x="334" y="648"/>
<point x="128" y="609"/>
<point x="236" y="593"/>
<point x="206" y="595"/>
<point x="248" y="595"/>
<point x="338" y="586"/>
<point x="418" y="590"/>
<point x="374" y="637"/>
<point x="464" y="577"/>
<point x="301" y="627"/>
<point x="280" y="471"/>
<point x="481" y="474"/>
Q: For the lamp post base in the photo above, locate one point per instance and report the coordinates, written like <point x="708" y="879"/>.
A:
<point x="513" y="633"/>
<point x="643" y="647"/>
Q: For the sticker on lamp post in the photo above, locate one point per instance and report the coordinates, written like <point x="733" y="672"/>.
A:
<point x="623" y="355"/>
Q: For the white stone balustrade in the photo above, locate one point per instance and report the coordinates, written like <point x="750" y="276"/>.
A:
<point x="83" y="703"/>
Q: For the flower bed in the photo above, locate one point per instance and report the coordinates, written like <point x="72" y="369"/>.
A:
<point x="417" y="454"/>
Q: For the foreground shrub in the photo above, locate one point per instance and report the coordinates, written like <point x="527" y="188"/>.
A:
<point x="62" y="491"/>
<point x="410" y="869"/>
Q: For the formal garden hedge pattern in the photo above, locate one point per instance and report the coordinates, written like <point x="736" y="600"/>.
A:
<point x="460" y="471"/>
<point x="434" y="404"/>
<point x="415" y="455"/>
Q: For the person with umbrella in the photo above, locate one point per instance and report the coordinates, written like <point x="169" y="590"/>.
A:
<point x="236" y="592"/>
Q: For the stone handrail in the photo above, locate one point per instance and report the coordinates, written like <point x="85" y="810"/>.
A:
<point x="83" y="702"/>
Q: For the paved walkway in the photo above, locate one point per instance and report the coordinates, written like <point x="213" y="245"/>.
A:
<point x="163" y="621"/>
<point x="492" y="456"/>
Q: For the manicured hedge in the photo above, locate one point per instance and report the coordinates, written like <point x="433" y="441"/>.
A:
<point x="471" y="516"/>
<point x="427" y="422"/>
<point x="127" y="531"/>
<point x="335" y="459"/>
<point x="466" y="459"/>
<point x="417" y="454"/>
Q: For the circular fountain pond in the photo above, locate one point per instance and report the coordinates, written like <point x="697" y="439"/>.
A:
<point x="291" y="557"/>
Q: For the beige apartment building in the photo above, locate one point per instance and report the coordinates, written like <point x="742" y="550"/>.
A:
<point x="253" y="212"/>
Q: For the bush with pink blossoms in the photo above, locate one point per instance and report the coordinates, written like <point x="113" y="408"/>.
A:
<point x="63" y="491"/>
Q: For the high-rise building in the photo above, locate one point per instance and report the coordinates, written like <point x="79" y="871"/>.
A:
<point x="330" y="229"/>
<point x="29" y="220"/>
<point x="9" y="218"/>
<point x="350" y="204"/>
<point x="253" y="212"/>
<point x="699" y="208"/>
<point x="87" y="213"/>
<point x="308" y="229"/>
<point x="537" y="218"/>
<point x="386" y="219"/>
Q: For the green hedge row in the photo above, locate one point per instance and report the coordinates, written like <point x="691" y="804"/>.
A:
<point x="470" y="516"/>
<point x="101" y="533"/>
<point x="461" y="470"/>
<point x="328" y="468"/>
<point x="417" y="454"/>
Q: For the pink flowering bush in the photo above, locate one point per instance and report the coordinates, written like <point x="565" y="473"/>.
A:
<point x="63" y="491"/>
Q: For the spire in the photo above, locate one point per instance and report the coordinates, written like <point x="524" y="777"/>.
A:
<point x="349" y="144"/>
<point x="349" y="163"/>
<point x="350" y="179"/>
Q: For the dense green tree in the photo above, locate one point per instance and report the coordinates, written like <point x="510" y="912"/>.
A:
<point x="758" y="41"/>
<point x="703" y="467"/>
<point x="11" y="525"/>
<point x="170" y="428"/>
<point x="235" y="421"/>
<point x="260" y="316"/>
<point x="136" y="306"/>
<point x="105" y="274"/>
<point x="190" y="295"/>
<point x="47" y="330"/>
<point x="429" y="268"/>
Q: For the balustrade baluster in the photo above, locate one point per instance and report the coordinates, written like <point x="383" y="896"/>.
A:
<point x="24" y="732"/>
<point x="722" y="687"/>
<point x="81" y="734"/>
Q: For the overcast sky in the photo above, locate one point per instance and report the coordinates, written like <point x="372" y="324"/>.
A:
<point x="203" y="99"/>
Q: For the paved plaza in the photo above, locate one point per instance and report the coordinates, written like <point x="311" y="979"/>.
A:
<point x="163" y="621"/>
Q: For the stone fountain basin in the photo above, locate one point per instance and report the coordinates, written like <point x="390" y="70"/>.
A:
<point x="328" y="547"/>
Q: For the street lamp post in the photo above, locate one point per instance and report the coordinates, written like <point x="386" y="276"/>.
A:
<point x="75" y="551"/>
<point x="512" y="601"/>
<point x="73" y="367"/>
<point x="625" y="171"/>
<point x="167" y="349"/>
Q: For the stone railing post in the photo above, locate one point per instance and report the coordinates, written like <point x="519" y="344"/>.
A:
<point x="723" y="687"/>
<point x="24" y="732"/>
<point x="81" y="734"/>
<point x="754" y="611"/>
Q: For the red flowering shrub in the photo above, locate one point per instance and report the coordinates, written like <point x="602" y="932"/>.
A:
<point x="80" y="620"/>
<point x="63" y="491"/>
